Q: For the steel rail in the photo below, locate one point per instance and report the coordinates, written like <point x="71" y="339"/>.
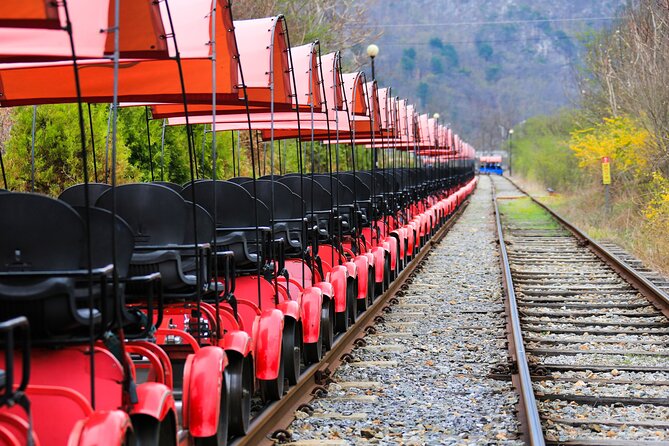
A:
<point x="279" y="414"/>
<point x="647" y="288"/>
<point x="521" y="377"/>
<point x="644" y="286"/>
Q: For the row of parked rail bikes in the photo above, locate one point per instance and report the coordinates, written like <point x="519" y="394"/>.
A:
<point x="158" y="313"/>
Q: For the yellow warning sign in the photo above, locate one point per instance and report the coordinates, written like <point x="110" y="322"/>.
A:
<point x="606" y="170"/>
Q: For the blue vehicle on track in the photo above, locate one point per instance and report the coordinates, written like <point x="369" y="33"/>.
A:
<point x="490" y="165"/>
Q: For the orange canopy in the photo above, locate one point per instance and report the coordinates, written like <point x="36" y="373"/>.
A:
<point x="141" y="36"/>
<point x="334" y="96"/>
<point x="264" y="58"/>
<point x="140" y="80"/>
<point x="29" y="14"/>
<point x="309" y="91"/>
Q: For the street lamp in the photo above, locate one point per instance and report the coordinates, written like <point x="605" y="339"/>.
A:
<point x="372" y="52"/>
<point x="510" y="152"/>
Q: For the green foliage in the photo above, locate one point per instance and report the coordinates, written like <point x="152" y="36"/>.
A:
<point x="527" y="213"/>
<point x="422" y="92"/>
<point x="565" y="42"/>
<point x="436" y="42"/>
<point x="484" y="50"/>
<point x="58" y="161"/>
<point x="493" y="73"/>
<point x="436" y="65"/>
<point x="540" y="151"/>
<point x="409" y="59"/>
<point x="451" y="55"/>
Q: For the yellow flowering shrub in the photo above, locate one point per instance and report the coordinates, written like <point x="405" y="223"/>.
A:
<point x="619" y="138"/>
<point x="657" y="208"/>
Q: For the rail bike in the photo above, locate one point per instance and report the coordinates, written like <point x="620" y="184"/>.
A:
<point x="491" y="165"/>
<point x="161" y="313"/>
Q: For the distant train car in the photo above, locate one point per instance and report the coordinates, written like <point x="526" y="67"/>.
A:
<point x="490" y="165"/>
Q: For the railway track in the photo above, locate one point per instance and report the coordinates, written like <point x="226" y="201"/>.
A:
<point x="414" y="370"/>
<point x="595" y="332"/>
<point x="653" y="276"/>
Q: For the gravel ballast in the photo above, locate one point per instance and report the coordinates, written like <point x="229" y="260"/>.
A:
<point x="422" y="377"/>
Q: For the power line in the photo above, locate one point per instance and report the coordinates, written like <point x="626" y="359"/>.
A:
<point x="491" y="22"/>
<point x="461" y="42"/>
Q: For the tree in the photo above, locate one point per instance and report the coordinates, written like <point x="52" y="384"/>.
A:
<point x="485" y="51"/>
<point x="493" y="73"/>
<point x="408" y="59"/>
<point x="329" y="21"/>
<point x="451" y="55"/>
<point x="58" y="161"/>
<point x="619" y="138"/>
<point x="627" y="73"/>
<point x="436" y="65"/>
<point x="436" y="42"/>
<point x="423" y="91"/>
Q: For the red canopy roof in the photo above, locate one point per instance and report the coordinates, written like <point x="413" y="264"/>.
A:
<point x="309" y="91"/>
<point x="264" y="57"/>
<point x="140" y="80"/>
<point x="29" y="14"/>
<point x="140" y="21"/>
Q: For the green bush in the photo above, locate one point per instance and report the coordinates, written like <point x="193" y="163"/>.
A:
<point x="541" y="151"/>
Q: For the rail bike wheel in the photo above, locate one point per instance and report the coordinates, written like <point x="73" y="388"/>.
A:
<point x="292" y="354"/>
<point x="342" y="320"/>
<point x="327" y="325"/>
<point x="240" y="376"/>
<point x="272" y="389"/>
<point x="148" y="430"/>
<point x="313" y="351"/>
<point x="370" y="287"/>
<point x="351" y="300"/>
<point x="361" y="304"/>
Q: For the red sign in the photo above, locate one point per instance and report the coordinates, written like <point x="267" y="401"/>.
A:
<point x="606" y="159"/>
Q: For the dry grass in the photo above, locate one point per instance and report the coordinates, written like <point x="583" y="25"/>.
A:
<point x="624" y="225"/>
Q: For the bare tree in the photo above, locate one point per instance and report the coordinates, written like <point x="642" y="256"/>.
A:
<point x="328" y="21"/>
<point x="628" y="73"/>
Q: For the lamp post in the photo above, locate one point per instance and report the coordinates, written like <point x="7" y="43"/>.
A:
<point x="510" y="152"/>
<point x="435" y="161"/>
<point x="372" y="52"/>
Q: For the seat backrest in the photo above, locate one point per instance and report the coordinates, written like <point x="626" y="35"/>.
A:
<point x="74" y="195"/>
<point x="174" y="186"/>
<point x="361" y="189"/>
<point x="341" y="193"/>
<point x="234" y="205"/>
<point x="101" y="240"/>
<point x="378" y="181"/>
<point x="156" y="214"/>
<point x="391" y="180"/>
<point x="321" y="197"/>
<point x="39" y="233"/>
<point x="205" y="225"/>
<point x="238" y="180"/>
<point x="286" y="203"/>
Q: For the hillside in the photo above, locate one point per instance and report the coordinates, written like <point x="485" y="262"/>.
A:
<point x="485" y="65"/>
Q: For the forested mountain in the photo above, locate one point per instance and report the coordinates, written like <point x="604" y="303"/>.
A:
<point x="485" y="65"/>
